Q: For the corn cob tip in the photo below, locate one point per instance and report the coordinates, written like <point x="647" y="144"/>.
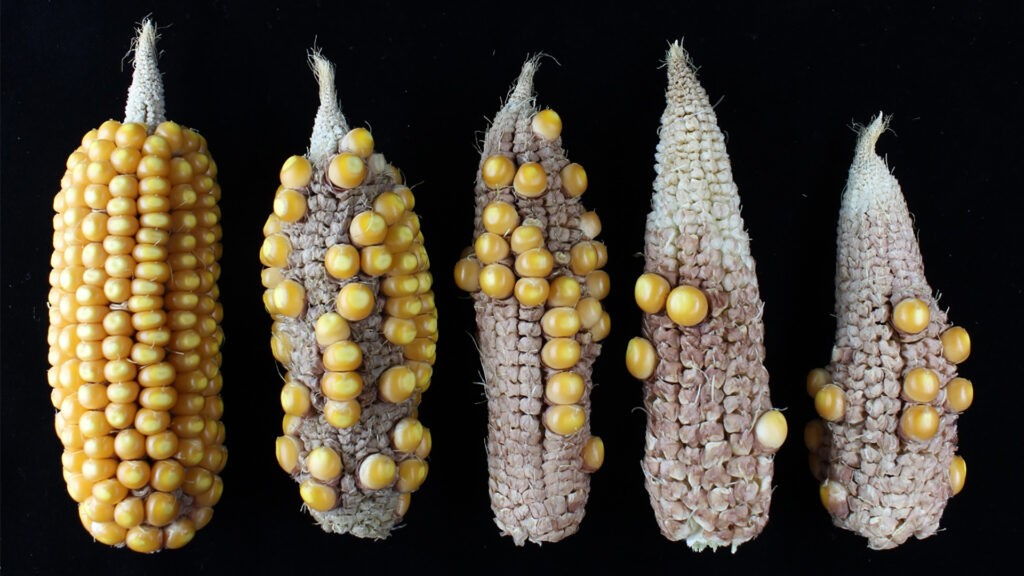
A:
<point x="330" y="126"/>
<point x="868" y="135"/>
<point x="145" y="103"/>
<point x="522" y="91"/>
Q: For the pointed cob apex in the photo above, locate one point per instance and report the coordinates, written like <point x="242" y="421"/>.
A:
<point x="330" y="126"/>
<point x="146" y="95"/>
<point x="523" y="90"/>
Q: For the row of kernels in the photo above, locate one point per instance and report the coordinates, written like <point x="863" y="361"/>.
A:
<point x="685" y="305"/>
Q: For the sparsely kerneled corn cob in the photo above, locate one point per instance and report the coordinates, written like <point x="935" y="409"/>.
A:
<point x="711" y="430"/>
<point x="135" y="324"/>
<point x="891" y="397"/>
<point x="355" y="325"/>
<point x="535" y="274"/>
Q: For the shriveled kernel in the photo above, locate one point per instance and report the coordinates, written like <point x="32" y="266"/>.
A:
<point x="289" y="298"/>
<point x="564" y="420"/>
<point x="411" y="475"/>
<point x="687" y="305"/>
<point x="911" y="316"/>
<point x="467" y="274"/>
<point x="355" y="301"/>
<point x="959" y="394"/>
<point x="376" y="471"/>
<point x="530" y="180"/>
<point x="396" y="384"/>
<point x="593" y="454"/>
<point x="957" y="474"/>
<point x="497" y="281"/>
<point x="341" y="385"/>
<point x="342" y="414"/>
<point x="346" y="171"/>
<point x="830" y="403"/>
<point x="532" y="291"/>
<point x="367" y="229"/>
<point x="564" y="388"/>
<point x="919" y="422"/>
<point x="295" y="399"/>
<point x="289" y="205"/>
<point x="343" y="356"/>
<point x="296" y="172"/>
<point x="287" y="449"/>
<point x="342" y="261"/>
<point x="817" y="378"/>
<point x="561" y="322"/>
<point x="565" y="292"/>
<point x="500" y="218"/>
<point x="956" y="344"/>
<point x="318" y="496"/>
<point x="574" y="180"/>
<point x="358" y="141"/>
<point x="498" y="171"/>
<point x="921" y="385"/>
<point x="323" y="464"/>
<point x="771" y="430"/>
<point x="560" y="353"/>
<point x="641" y="358"/>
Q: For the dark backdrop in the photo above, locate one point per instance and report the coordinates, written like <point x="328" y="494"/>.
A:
<point x="789" y="82"/>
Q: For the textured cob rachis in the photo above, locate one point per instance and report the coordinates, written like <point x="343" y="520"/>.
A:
<point x="539" y="327"/>
<point x="355" y="326"/>
<point x="135" y="323"/>
<point x="891" y="396"/>
<point x="711" y="433"/>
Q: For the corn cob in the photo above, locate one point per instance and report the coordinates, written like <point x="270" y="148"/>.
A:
<point x="890" y="399"/>
<point x="135" y="324"/>
<point x="539" y="326"/>
<point x="349" y="288"/>
<point x="711" y="430"/>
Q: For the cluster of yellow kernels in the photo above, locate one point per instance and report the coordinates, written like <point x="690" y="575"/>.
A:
<point x="135" y="333"/>
<point x="686" y="305"/>
<point x="386" y="243"/>
<point x="510" y="259"/>
<point x="920" y="388"/>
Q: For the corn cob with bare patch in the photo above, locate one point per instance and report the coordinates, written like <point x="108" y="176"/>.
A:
<point x="349" y="288"/>
<point x="135" y="323"/>
<point x="535" y="275"/>
<point x="890" y="399"/>
<point x="711" y="430"/>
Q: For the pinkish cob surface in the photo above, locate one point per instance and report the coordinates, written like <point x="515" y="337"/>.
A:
<point x="711" y="430"/>
<point x="536" y="281"/>
<point x="890" y="399"/>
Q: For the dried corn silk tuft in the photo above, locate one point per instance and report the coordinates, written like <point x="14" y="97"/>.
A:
<point x="135" y="320"/>
<point x="536" y="278"/>
<point x="355" y="326"/>
<point x="711" y="429"/>
<point x="891" y="396"/>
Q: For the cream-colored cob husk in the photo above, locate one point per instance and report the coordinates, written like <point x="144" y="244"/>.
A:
<point x="880" y="482"/>
<point x="368" y="512"/>
<point x="708" y="475"/>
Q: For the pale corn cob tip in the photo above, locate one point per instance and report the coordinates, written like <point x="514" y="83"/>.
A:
<point x="889" y="400"/>
<point x="536" y="278"/>
<point x="712" y="433"/>
<point x="145" y="103"/>
<point x="135" y="330"/>
<point x="349" y="289"/>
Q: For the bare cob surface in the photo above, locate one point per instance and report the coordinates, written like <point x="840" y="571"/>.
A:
<point x="135" y="324"/>
<point x="539" y="327"/>
<point x="890" y="399"/>
<point x="711" y="430"/>
<point x="355" y="325"/>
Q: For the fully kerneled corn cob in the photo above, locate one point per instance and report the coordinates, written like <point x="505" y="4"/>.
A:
<point x="355" y="325"/>
<point x="135" y="323"/>
<point x="891" y="396"/>
<point x="711" y="430"/>
<point x="535" y="274"/>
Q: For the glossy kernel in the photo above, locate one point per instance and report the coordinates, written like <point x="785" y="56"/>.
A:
<point x="342" y="261"/>
<point x="830" y="403"/>
<point x="346" y="171"/>
<point x="687" y="305"/>
<point x="317" y="496"/>
<point x="919" y="422"/>
<point x="526" y="238"/>
<point x="564" y="420"/>
<point x="530" y="180"/>
<point x="957" y="474"/>
<point x="497" y="281"/>
<point x="817" y="378"/>
<point x="355" y="301"/>
<point x="343" y="413"/>
<point x="562" y="322"/>
<point x="368" y="228"/>
<point x="565" y="292"/>
<point x="956" y="344"/>
<point x="358" y="141"/>
<point x="343" y="356"/>
<point x="560" y="353"/>
<point x="287" y="449"/>
<point x="574" y="180"/>
<point x="547" y="124"/>
<point x="500" y="218"/>
<point x="296" y="172"/>
<point x="959" y="394"/>
<point x="377" y="471"/>
<point x="911" y="316"/>
<point x="641" y="358"/>
<point x="593" y="454"/>
<point x="771" y="430"/>
<point x="407" y="435"/>
<point x="921" y="385"/>
<point x="498" y="171"/>
<point x="396" y="384"/>
<point x="289" y="205"/>
<point x="331" y="328"/>
<point x="564" y="388"/>
<point x="324" y="464"/>
<point x="532" y="291"/>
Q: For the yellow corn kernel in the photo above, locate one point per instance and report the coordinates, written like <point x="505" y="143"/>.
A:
<point x="534" y="263"/>
<point x="546" y="124"/>
<point x="564" y="388"/>
<point x="342" y="261"/>
<point x="295" y="399"/>
<point x="289" y="205"/>
<point x="396" y="384"/>
<point x="817" y="378"/>
<point x="956" y="344"/>
<point x="957" y="474"/>
<point x="179" y="533"/>
<point x="400" y="331"/>
<point x="323" y="464"/>
<point x="275" y="251"/>
<point x="467" y="274"/>
<point x="959" y="394"/>
<point x="341" y="385"/>
<point x="358" y="141"/>
<point x="560" y="353"/>
<point x="574" y="180"/>
<point x="641" y="358"/>
<point x="771" y="430"/>
<point x="565" y="292"/>
<point x="376" y="471"/>
<point x="498" y="171"/>
<point x="687" y="305"/>
<point x="921" y="385"/>
<point x="317" y="496"/>
<point x="342" y="414"/>
<point x="830" y="403"/>
<point x="289" y="298"/>
<point x="296" y="173"/>
<point x="411" y="475"/>
<point x="343" y="356"/>
<point x="500" y="218"/>
<point x="355" y="301"/>
<point x="919" y="422"/>
<point x="368" y="229"/>
<point x="407" y="435"/>
<point x="562" y="322"/>
<point x="590" y="224"/>
<point x="331" y="328"/>
<point x="532" y="291"/>
<point x="598" y="284"/>
<point x="490" y="248"/>
<point x="526" y="238"/>
<point x="593" y="454"/>
<point x="911" y="316"/>
<point x="375" y="260"/>
<point x="530" y="180"/>
<point x="288" y="448"/>
<point x="346" y="171"/>
<point x="564" y="420"/>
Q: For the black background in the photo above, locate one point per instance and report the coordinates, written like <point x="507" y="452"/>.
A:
<point x="789" y="82"/>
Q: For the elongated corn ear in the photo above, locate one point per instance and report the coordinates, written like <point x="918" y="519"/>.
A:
<point x="535" y="275"/>
<point x="349" y="288"/>
<point x="711" y="430"/>
<point x="135" y="323"/>
<point x="891" y="397"/>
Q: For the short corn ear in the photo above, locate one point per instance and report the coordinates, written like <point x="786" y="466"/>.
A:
<point x="135" y="330"/>
<point x="349" y="288"/>
<point x="711" y="430"/>
<point x="885" y="447"/>
<point x="536" y="279"/>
